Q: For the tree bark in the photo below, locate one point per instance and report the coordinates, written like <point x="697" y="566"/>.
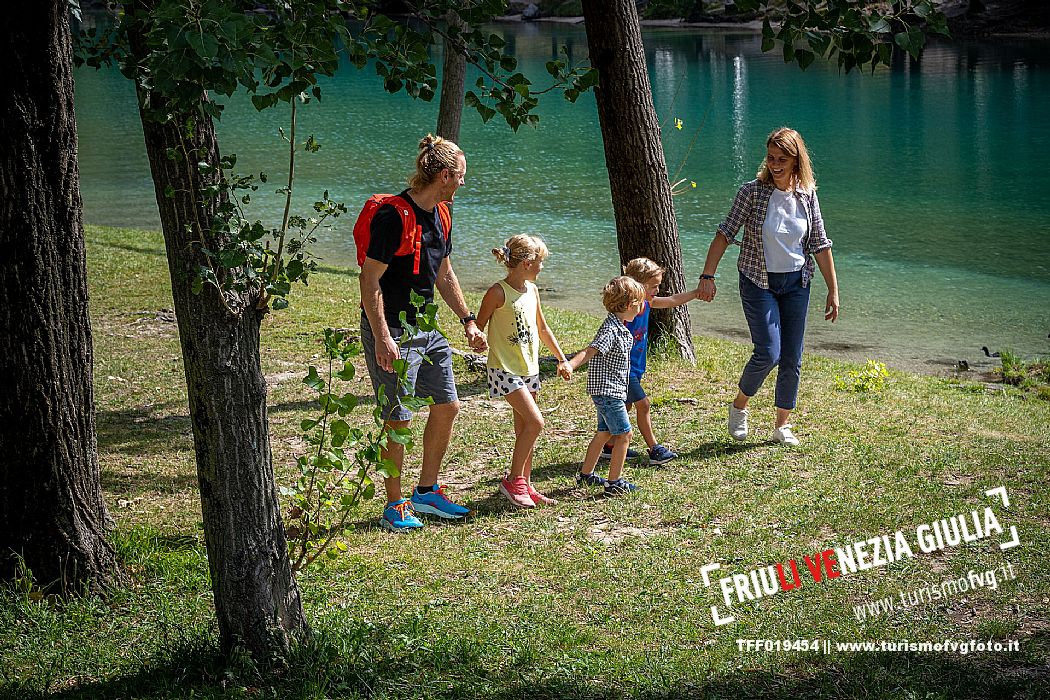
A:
<point x="634" y="156"/>
<point x="52" y="514"/>
<point x="453" y="82"/>
<point x="257" y="600"/>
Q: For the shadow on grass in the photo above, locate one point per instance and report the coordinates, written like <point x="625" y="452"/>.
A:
<point x="364" y="660"/>
<point x="131" y="430"/>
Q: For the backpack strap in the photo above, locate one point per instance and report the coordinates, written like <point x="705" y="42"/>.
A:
<point x="411" y="232"/>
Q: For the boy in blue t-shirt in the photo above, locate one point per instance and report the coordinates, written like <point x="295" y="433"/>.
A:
<point x="649" y="275"/>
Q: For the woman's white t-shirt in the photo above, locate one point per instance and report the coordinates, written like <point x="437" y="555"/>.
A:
<point x="785" y="226"/>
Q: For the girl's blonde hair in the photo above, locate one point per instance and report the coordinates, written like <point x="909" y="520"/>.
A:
<point x="519" y="249"/>
<point x="790" y="141"/>
<point x="621" y="292"/>
<point x="643" y="269"/>
<point x="435" y="154"/>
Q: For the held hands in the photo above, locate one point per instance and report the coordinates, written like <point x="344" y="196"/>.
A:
<point x="705" y="290"/>
<point x="831" y="307"/>
<point x="475" y="337"/>
<point x="565" y="370"/>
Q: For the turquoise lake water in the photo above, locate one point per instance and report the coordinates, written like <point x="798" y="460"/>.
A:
<point x="932" y="178"/>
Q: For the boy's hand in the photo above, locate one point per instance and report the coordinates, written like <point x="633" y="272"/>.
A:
<point x="565" y="370"/>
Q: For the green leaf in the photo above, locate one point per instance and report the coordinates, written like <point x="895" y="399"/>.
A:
<point x="312" y="380"/>
<point x="308" y="424"/>
<point x="804" y="58"/>
<point x="402" y="436"/>
<point x="347" y="373"/>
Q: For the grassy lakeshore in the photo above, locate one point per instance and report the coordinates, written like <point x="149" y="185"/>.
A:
<point x="589" y="598"/>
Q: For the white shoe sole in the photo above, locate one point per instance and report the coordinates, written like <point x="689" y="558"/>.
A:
<point x="431" y="510"/>
<point x="510" y="497"/>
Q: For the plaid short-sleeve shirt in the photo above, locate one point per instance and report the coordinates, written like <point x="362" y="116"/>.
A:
<point x="749" y="211"/>
<point x="607" y="375"/>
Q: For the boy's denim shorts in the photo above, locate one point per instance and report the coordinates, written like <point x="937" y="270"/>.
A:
<point x="612" y="415"/>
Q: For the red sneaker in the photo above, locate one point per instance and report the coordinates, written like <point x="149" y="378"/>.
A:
<point x="539" y="499"/>
<point x="516" y="491"/>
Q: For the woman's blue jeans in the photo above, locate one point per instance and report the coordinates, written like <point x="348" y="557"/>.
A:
<point x="777" y="319"/>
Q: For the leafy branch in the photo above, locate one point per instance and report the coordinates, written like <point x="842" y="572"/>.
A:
<point x="338" y="473"/>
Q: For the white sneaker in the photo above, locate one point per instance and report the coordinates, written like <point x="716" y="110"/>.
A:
<point x="784" y="435"/>
<point x="738" y="422"/>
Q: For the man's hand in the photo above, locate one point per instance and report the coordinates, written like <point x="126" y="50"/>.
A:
<point x="706" y="290"/>
<point x="386" y="352"/>
<point x="475" y="337"/>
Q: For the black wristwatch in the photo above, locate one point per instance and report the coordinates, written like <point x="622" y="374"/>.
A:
<point x="707" y="277"/>
<point x="468" y="318"/>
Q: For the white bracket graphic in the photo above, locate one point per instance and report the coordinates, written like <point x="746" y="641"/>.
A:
<point x="719" y="620"/>
<point x="1000" y="491"/>
<point x="705" y="571"/>
<point x="1012" y="543"/>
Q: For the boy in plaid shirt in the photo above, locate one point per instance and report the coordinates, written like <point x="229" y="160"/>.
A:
<point x="609" y="355"/>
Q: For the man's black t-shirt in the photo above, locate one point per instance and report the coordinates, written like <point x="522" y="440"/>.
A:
<point x="398" y="280"/>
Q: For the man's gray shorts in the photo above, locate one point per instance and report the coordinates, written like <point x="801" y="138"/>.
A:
<point x="433" y="379"/>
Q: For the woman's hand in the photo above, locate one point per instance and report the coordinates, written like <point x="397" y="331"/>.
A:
<point x="706" y="290"/>
<point x="831" y="308"/>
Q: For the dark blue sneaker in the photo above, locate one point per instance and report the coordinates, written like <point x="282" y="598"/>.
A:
<point x="436" y="503"/>
<point x="398" y="517"/>
<point x="661" y="455"/>
<point x="591" y="479"/>
<point x="606" y="454"/>
<point x="620" y="487"/>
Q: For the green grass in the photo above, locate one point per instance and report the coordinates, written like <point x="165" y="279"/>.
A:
<point x="590" y="598"/>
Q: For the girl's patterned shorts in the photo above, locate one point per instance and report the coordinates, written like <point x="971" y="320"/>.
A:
<point x="502" y="383"/>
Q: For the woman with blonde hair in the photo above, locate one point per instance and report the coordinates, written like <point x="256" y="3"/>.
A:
<point x="516" y="327"/>
<point x="783" y="236"/>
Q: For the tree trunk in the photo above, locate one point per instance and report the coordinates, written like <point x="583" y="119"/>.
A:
<point x="453" y="81"/>
<point x="257" y="600"/>
<point x="634" y="156"/>
<point x="52" y="514"/>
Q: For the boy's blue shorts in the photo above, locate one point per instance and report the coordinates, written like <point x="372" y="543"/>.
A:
<point x="635" y="392"/>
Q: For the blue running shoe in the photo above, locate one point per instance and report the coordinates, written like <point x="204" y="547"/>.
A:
<point x="398" y="517"/>
<point x="620" y="487"/>
<point x="591" y="479"/>
<point x="606" y="454"/>
<point x="661" y="455"/>
<point x="436" y="503"/>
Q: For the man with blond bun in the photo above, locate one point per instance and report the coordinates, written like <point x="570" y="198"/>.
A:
<point x="387" y="283"/>
<point x="609" y="354"/>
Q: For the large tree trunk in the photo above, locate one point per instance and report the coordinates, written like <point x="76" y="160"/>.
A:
<point x="257" y="601"/>
<point x="453" y="80"/>
<point x="51" y="508"/>
<point x="634" y="155"/>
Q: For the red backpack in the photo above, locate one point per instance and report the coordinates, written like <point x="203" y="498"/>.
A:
<point x="411" y="233"/>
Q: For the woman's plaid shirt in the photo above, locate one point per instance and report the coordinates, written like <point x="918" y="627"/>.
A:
<point x="749" y="211"/>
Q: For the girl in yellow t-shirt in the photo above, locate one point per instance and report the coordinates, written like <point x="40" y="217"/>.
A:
<point x="511" y="310"/>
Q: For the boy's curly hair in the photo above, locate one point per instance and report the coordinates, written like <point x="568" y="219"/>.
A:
<point x="621" y="292"/>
